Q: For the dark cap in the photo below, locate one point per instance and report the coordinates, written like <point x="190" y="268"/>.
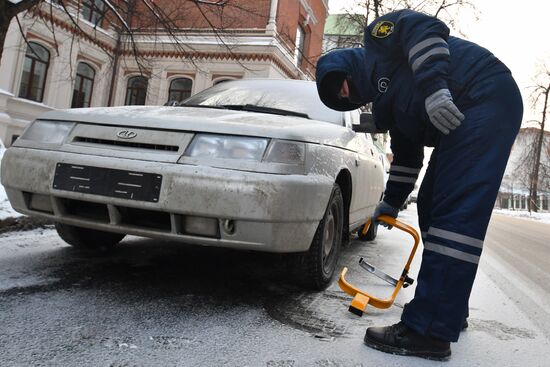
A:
<point x="338" y="65"/>
<point x="329" y="91"/>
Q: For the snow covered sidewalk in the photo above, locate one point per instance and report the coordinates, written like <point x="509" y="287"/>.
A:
<point x="6" y="211"/>
<point x="523" y="214"/>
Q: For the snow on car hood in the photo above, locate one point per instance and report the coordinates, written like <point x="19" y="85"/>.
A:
<point x="212" y="121"/>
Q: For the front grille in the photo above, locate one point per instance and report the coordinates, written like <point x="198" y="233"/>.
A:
<point x="142" y="218"/>
<point x="85" y="210"/>
<point x="161" y="147"/>
<point x="126" y="217"/>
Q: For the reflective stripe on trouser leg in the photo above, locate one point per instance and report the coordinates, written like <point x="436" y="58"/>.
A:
<point x="453" y="244"/>
<point x="467" y="175"/>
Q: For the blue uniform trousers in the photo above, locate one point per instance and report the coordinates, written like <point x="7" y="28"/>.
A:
<point x="455" y="202"/>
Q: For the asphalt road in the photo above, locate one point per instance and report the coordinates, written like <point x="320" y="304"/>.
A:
<point x="517" y="258"/>
<point x="155" y="303"/>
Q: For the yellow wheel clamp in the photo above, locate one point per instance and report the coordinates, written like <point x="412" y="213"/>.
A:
<point x="361" y="298"/>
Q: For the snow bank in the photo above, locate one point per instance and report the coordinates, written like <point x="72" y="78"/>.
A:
<point x="524" y="214"/>
<point x="5" y="207"/>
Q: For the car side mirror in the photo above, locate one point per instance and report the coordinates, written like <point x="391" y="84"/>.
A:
<point x="367" y="125"/>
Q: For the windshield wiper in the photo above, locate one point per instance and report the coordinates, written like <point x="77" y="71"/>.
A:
<point x="250" y="108"/>
<point x="201" y="106"/>
<point x="263" y="109"/>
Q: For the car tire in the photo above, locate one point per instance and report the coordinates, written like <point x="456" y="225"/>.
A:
<point x="88" y="239"/>
<point x="370" y="235"/>
<point x="318" y="265"/>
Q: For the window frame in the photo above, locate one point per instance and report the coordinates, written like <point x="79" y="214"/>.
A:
<point x="82" y="77"/>
<point x="300" y="45"/>
<point x="180" y="91"/>
<point x="34" y="59"/>
<point x="128" y="89"/>
<point x="94" y="9"/>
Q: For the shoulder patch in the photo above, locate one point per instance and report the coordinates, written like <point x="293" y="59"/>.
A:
<point x="382" y="29"/>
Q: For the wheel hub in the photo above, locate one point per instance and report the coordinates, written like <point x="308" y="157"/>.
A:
<point x="328" y="236"/>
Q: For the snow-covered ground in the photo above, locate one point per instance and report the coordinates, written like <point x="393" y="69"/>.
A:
<point x="523" y="214"/>
<point x="159" y="303"/>
<point x="5" y="207"/>
<point x="6" y="210"/>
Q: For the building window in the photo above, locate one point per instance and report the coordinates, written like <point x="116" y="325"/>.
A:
<point x="136" y="91"/>
<point x="83" y="86"/>
<point x="92" y="10"/>
<point x="180" y="89"/>
<point x="35" y="68"/>
<point x="300" y="42"/>
<point x="504" y="202"/>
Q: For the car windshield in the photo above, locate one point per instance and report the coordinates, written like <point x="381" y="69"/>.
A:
<point x="282" y="97"/>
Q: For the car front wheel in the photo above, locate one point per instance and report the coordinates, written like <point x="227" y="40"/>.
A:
<point x="318" y="265"/>
<point x="89" y="239"/>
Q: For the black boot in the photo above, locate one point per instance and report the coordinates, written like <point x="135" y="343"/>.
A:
<point x="400" y="339"/>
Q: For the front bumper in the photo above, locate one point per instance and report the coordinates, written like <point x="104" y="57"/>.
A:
<point x="268" y="212"/>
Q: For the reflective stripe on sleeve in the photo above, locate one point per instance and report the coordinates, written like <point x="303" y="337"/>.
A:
<point x="423" y="44"/>
<point x="457" y="237"/>
<point x="402" y="179"/>
<point x="405" y="169"/>
<point x="451" y="252"/>
<point x="435" y="51"/>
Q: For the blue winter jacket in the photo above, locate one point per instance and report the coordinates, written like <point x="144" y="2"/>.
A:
<point x="407" y="56"/>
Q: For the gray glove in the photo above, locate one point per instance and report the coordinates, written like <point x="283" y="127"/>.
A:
<point x="384" y="208"/>
<point x="443" y="113"/>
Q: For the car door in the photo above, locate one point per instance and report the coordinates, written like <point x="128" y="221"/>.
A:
<point x="368" y="180"/>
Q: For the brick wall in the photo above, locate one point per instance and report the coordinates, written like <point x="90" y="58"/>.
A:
<point x="292" y="13"/>
<point x="241" y="14"/>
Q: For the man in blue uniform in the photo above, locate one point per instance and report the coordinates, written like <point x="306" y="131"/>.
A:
<point x="431" y="89"/>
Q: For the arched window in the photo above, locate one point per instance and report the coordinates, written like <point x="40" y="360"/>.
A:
<point x="83" y="86"/>
<point x="136" y="91"/>
<point x="35" y="68"/>
<point x="180" y="89"/>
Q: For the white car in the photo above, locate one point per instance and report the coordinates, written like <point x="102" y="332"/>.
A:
<point x="253" y="164"/>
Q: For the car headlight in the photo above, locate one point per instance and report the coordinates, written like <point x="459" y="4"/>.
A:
<point x="287" y="152"/>
<point x="226" y="146"/>
<point x="52" y="132"/>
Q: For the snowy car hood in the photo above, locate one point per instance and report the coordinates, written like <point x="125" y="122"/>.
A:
<point x="211" y="120"/>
